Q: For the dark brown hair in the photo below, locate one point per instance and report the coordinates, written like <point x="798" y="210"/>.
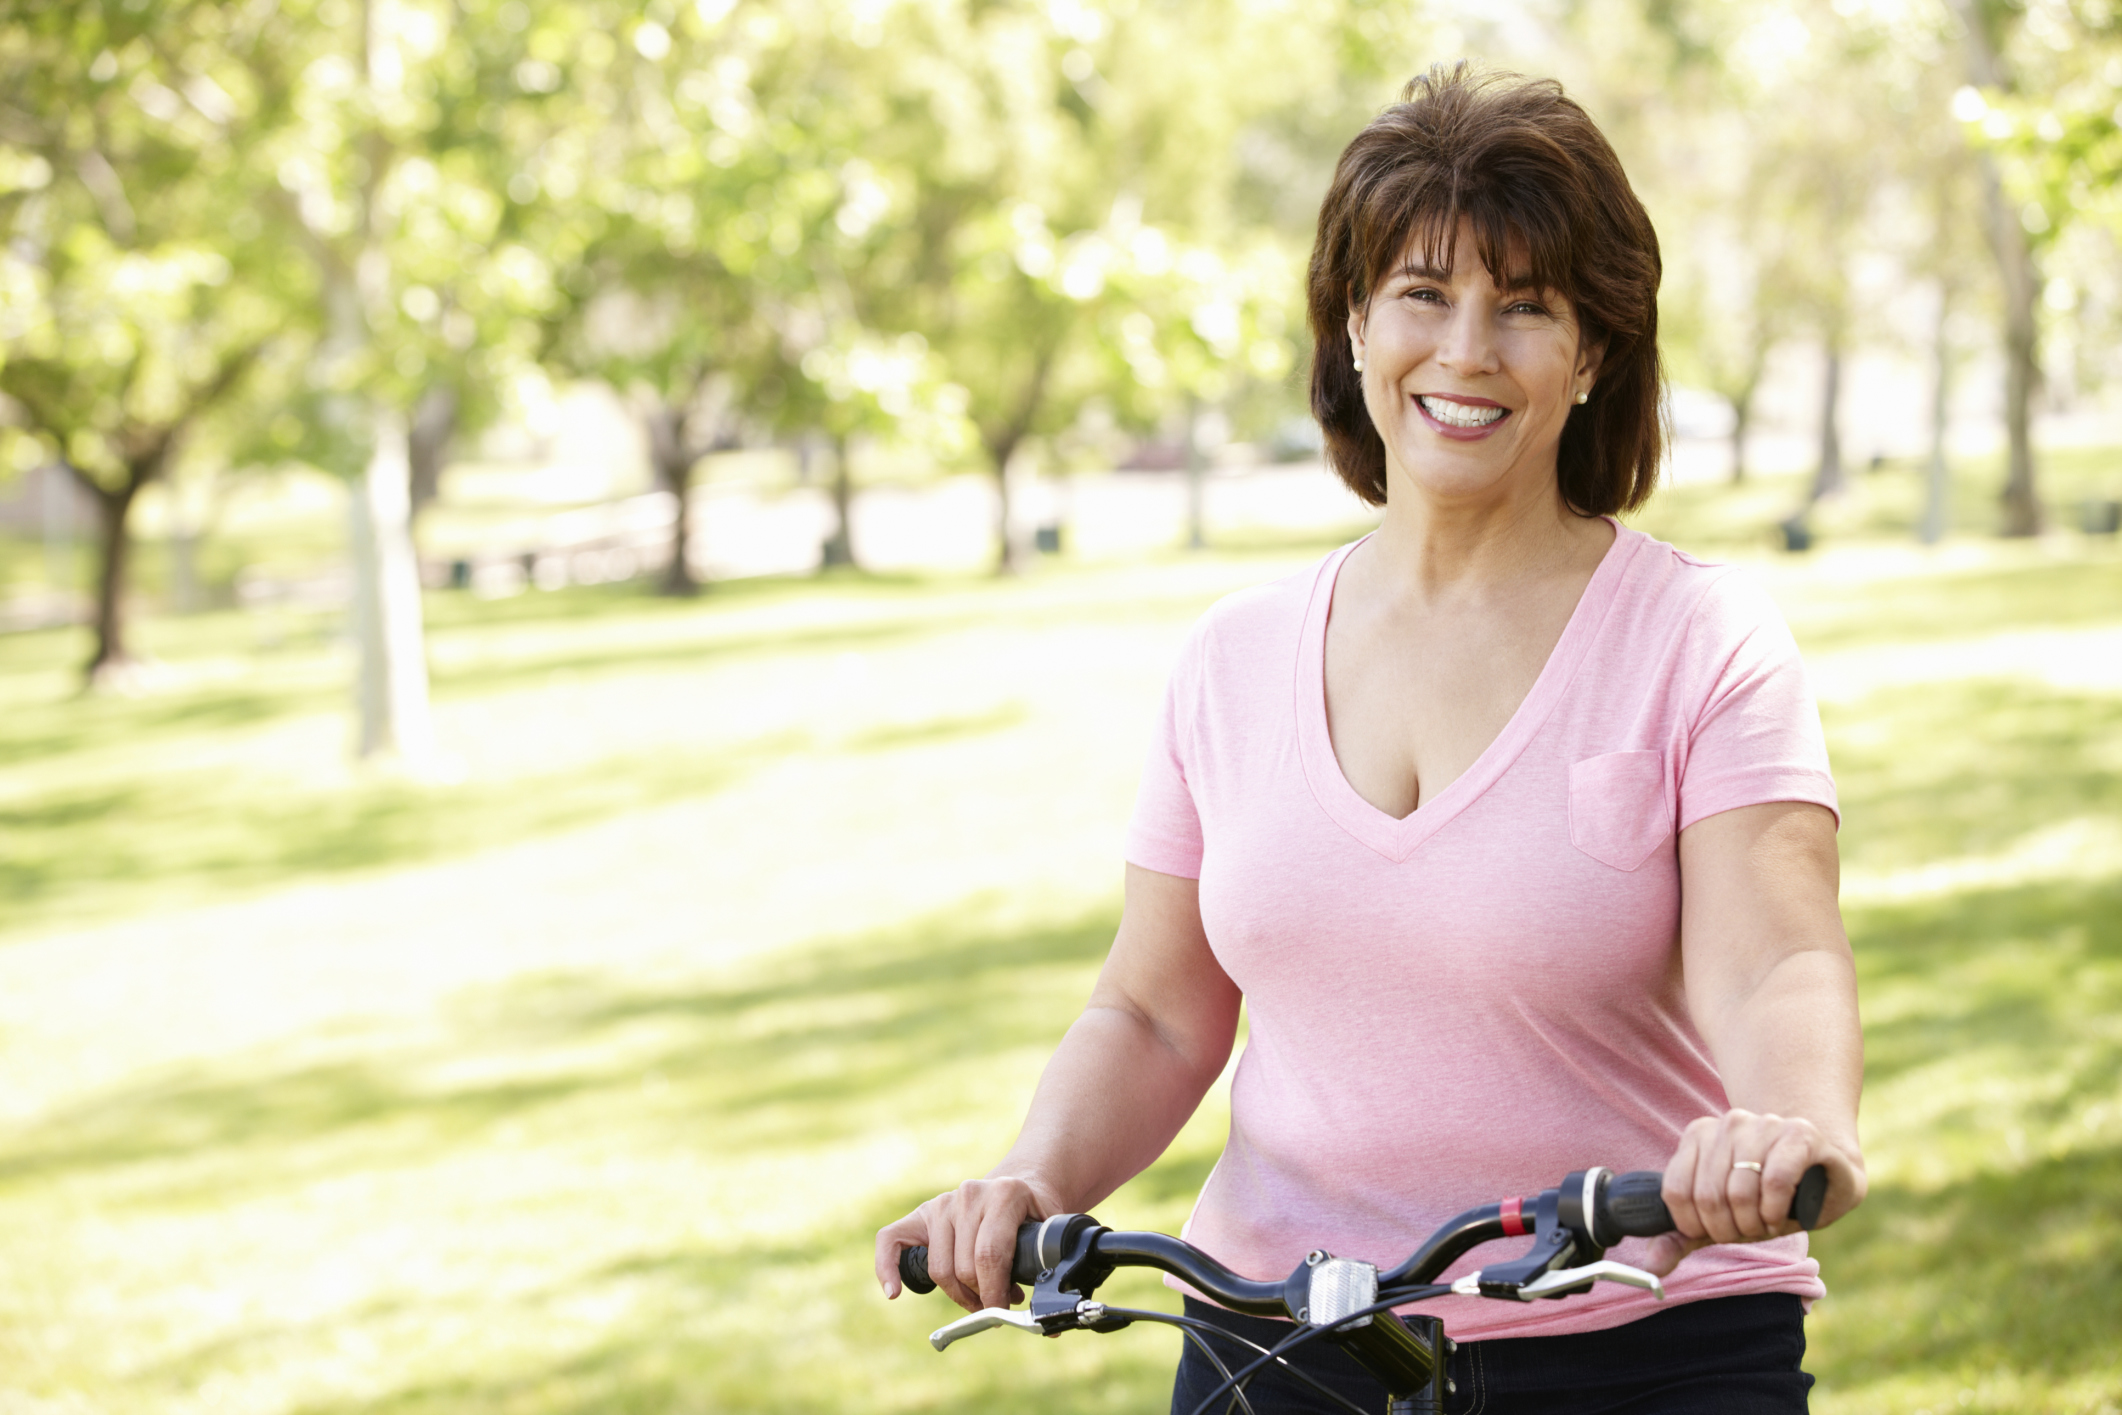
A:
<point x="1531" y="172"/>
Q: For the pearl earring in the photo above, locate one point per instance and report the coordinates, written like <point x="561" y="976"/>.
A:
<point x="1584" y="397"/>
<point x="1359" y="363"/>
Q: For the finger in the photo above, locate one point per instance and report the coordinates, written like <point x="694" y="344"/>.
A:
<point x="965" y="1235"/>
<point x="891" y="1239"/>
<point x="995" y="1249"/>
<point x="1847" y="1183"/>
<point x="1742" y="1192"/>
<point x="1666" y="1251"/>
<point x="1750" y="1137"/>
<point x="1678" y="1190"/>
<point x="1781" y="1168"/>
<point x="944" y="1268"/>
<point x="1713" y="1172"/>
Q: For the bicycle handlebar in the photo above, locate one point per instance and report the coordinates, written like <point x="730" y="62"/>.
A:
<point x="1024" y="1267"/>
<point x="1627" y="1206"/>
<point x="1635" y="1203"/>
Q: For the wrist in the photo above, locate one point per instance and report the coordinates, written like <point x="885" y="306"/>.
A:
<point x="1047" y="1197"/>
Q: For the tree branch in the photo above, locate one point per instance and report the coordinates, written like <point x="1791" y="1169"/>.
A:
<point x="104" y="187"/>
<point x="145" y="456"/>
<point x="327" y="255"/>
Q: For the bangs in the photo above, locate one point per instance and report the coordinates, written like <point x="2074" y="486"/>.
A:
<point x="1523" y="244"/>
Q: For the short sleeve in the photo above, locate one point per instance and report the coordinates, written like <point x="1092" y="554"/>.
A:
<point x="1165" y="833"/>
<point x="1756" y="737"/>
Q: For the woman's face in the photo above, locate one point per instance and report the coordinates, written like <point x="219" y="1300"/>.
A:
<point x="1467" y="381"/>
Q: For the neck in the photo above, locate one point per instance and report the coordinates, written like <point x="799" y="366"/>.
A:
<point x="1431" y="548"/>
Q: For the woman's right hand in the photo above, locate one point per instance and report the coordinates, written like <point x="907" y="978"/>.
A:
<point x="1155" y="1035"/>
<point x="971" y="1234"/>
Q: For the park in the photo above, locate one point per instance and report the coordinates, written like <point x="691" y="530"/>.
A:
<point x="499" y="903"/>
<point x="580" y="1084"/>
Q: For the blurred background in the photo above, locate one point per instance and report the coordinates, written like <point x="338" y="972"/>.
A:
<point x="583" y="586"/>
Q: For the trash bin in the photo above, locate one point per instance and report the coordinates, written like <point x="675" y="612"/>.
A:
<point x="1047" y="539"/>
<point x="1797" y="536"/>
<point x="2101" y="518"/>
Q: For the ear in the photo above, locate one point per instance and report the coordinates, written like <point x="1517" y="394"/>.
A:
<point x="1591" y="353"/>
<point x="1356" y="319"/>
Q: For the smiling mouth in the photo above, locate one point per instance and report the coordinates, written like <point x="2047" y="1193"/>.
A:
<point x="1453" y="413"/>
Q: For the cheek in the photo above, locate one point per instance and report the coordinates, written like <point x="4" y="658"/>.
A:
<point x="1548" y="369"/>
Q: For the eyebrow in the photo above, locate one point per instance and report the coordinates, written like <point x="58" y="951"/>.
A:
<point x="1520" y="283"/>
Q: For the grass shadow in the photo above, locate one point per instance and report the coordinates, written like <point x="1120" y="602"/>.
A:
<point x="1918" y="786"/>
<point x="795" y="1054"/>
<point x="2012" y="1268"/>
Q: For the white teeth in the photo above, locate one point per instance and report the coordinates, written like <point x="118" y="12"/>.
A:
<point x="1456" y="414"/>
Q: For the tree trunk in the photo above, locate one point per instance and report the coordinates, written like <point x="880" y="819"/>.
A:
<point x="1742" y="413"/>
<point x="1937" y="489"/>
<point x="1196" y="478"/>
<point x="1009" y="559"/>
<point x="427" y="444"/>
<point x="1002" y="447"/>
<point x="840" y="546"/>
<point x="113" y="662"/>
<point x="1742" y="403"/>
<point x="184" y="593"/>
<point x="57" y="482"/>
<point x="1828" y="478"/>
<point x="671" y="454"/>
<point x="2022" y="284"/>
<point x="392" y="693"/>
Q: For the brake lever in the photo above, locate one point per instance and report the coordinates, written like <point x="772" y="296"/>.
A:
<point x="986" y="1319"/>
<point x="1562" y="1280"/>
<point x="1093" y="1316"/>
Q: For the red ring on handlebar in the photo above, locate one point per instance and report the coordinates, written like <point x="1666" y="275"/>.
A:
<point x="1513" y="1216"/>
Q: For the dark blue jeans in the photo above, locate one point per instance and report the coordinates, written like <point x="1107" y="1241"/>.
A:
<point x="1722" y="1356"/>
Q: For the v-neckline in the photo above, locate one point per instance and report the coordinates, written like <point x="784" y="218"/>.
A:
<point x="1398" y="837"/>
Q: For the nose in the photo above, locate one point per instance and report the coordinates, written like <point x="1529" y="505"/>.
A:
<point x="1469" y="345"/>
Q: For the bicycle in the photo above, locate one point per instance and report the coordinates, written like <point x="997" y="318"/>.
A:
<point x="1064" y="1259"/>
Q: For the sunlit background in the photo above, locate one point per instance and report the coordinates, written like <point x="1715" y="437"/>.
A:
<point x="583" y="586"/>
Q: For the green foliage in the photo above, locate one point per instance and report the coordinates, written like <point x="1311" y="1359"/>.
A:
<point x="130" y="302"/>
<point x="2052" y="118"/>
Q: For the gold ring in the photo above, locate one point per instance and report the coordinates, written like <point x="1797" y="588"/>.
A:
<point x="1754" y="1165"/>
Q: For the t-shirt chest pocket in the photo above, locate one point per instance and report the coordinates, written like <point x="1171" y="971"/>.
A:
<point x="1617" y="809"/>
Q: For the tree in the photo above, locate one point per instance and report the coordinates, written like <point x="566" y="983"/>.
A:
<point x="381" y="128"/>
<point x="2039" y="113"/>
<point x="1059" y="163"/>
<point x="678" y="249"/>
<point x="131" y="306"/>
<point x="1986" y="25"/>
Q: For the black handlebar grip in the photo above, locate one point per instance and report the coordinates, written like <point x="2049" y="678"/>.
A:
<point x="1812" y="1193"/>
<point x="1024" y="1266"/>
<point x="1635" y="1208"/>
<point x="913" y="1269"/>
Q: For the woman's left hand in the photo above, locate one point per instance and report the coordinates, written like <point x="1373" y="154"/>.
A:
<point x="1734" y="1176"/>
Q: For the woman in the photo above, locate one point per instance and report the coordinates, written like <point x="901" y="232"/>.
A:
<point x="1512" y="828"/>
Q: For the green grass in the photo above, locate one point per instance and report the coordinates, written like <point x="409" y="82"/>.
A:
<point x="1883" y="503"/>
<point x="580" y="1084"/>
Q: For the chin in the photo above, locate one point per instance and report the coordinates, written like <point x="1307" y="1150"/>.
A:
<point x="1451" y="479"/>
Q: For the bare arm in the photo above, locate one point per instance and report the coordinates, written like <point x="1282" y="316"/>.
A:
<point x="1772" y="987"/>
<point x="1155" y="1035"/>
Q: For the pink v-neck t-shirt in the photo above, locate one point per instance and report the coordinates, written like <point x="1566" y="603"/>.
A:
<point x="1468" y="1003"/>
